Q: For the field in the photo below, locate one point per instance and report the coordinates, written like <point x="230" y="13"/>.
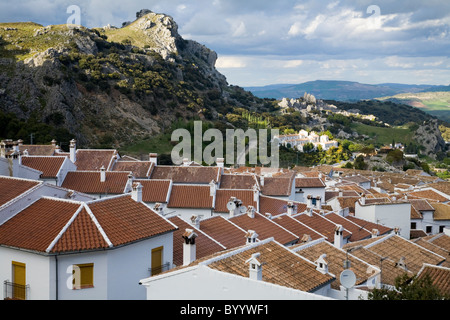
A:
<point x="380" y="136"/>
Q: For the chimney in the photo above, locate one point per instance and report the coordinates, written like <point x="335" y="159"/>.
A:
<point x="375" y="233"/>
<point x="256" y="196"/>
<point x="291" y="208"/>
<point x="255" y="267"/>
<point x="338" y="237"/>
<point x="232" y="206"/>
<point x="20" y="141"/>
<point x="153" y="157"/>
<point x="189" y="247"/>
<point x="54" y="142"/>
<point x="318" y="202"/>
<point x="309" y="201"/>
<point x="306" y="238"/>
<point x="261" y="179"/>
<point x="341" y="193"/>
<point x="73" y="150"/>
<point x="251" y="212"/>
<point x="220" y="163"/>
<point x="251" y="236"/>
<point x="102" y="174"/>
<point x="322" y="264"/>
<point x="363" y="199"/>
<point x="159" y="208"/>
<point x="397" y="231"/>
<point x="195" y="221"/>
<point x="212" y="188"/>
<point x="309" y="212"/>
<point x="136" y="194"/>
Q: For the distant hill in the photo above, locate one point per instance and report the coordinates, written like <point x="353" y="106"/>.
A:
<point x="338" y="90"/>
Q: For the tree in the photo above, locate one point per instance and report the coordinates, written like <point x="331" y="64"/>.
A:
<point x="359" y="163"/>
<point x="409" y="288"/>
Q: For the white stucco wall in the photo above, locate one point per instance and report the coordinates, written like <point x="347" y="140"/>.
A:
<point x="203" y="283"/>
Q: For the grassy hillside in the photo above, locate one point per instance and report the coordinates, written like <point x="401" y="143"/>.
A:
<point x="379" y="136"/>
<point x="434" y="103"/>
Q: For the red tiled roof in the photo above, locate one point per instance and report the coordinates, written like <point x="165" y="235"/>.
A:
<point x="276" y="206"/>
<point x="191" y="174"/>
<point x="154" y="190"/>
<point x="89" y="182"/>
<point x="321" y="225"/>
<point x="90" y="159"/>
<point x="277" y="186"/>
<point x="427" y="194"/>
<point x="358" y="232"/>
<point x="223" y="196"/>
<point x="11" y="188"/>
<point x="224" y="231"/>
<point x="369" y="225"/>
<point x="38" y="150"/>
<point x="237" y="181"/>
<point x="122" y="219"/>
<point x="49" y="166"/>
<point x="204" y="244"/>
<point x="190" y="196"/>
<point x="309" y="183"/>
<point x="140" y="169"/>
<point x="265" y="228"/>
<point x="296" y="227"/>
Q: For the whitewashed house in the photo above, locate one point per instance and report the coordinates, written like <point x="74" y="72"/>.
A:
<point x="97" y="250"/>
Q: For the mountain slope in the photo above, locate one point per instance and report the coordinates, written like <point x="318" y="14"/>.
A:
<point x="111" y="86"/>
<point x="335" y="90"/>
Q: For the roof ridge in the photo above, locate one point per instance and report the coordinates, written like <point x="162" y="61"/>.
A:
<point x="64" y="229"/>
<point x="97" y="224"/>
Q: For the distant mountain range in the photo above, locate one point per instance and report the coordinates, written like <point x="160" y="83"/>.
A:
<point x="340" y="90"/>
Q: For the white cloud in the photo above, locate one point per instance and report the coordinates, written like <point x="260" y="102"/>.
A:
<point x="230" y="62"/>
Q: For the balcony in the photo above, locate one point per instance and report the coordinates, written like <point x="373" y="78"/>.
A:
<point x="14" y="291"/>
<point x="158" y="270"/>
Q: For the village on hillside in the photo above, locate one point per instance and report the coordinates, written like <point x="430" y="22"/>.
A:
<point x="92" y="224"/>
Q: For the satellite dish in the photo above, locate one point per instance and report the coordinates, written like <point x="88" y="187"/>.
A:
<point x="347" y="278"/>
<point x="242" y="209"/>
<point x="231" y="205"/>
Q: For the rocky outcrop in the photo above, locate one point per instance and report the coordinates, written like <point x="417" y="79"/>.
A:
<point x="429" y="136"/>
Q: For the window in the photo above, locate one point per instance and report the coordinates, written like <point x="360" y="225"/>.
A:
<point x="429" y="229"/>
<point x="19" y="282"/>
<point x="441" y="229"/>
<point x="157" y="261"/>
<point x="413" y="225"/>
<point x="83" y="276"/>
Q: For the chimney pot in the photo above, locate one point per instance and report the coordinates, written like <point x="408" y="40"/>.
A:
<point x="189" y="246"/>
<point x="102" y="174"/>
<point x="136" y="194"/>
<point x="153" y="158"/>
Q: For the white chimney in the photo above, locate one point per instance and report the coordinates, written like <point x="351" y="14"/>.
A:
<point x="256" y="196"/>
<point x="136" y="194"/>
<point x="102" y="174"/>
<point x="338" y="236"/>
<point x="261" y="179"/>
<point x="322" y="264"/>
<point x="375" y="233"/>
<point x="189" y="247"/>
<point x="251" y="236"/>
<point x="397" y="231"/>
<point x="153" y="157"/>
<point x="220" y="163"/>
<point x="195" y="221"/>
<point x="54" y="142"/>
<point x="309" y="201"/>
<point x="251" y="212"/>
<point x="159" y="208"/>
<point x="73" y="150"/>
<point x="255" y="267"/>
<point x="363" y="199"/>
<point x="291" y="208"/>
<point x="212" y="188"/>
<point x="318" y="202"/>
<point x="309" y="212"/>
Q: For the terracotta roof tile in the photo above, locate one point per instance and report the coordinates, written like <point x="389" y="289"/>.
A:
<point x="358" y="232"/>
<point x="38" y="150"/>
<point x="224" y="231"/>
<point x="125" y="220"/>
<point x="11" y="188"/>
<point x="440" y="277"/>
<point x="224" y="195"/>
<point x="369" y="225"/>
<point x="190" y="196"/>
<point x="91" y="159"/>
<point x="191" y="174"/>
<point x="237" y="181"/>
<point x="49" y="166"/>
<point x="321" y="225"/>
<point x="441" y="211"/>
<point x="154" y="190"/>
<point x="265" y="228"/>
<point x="139" y="169"/>
<point x="280" y="266"/>
<point x="296" y="227"/>
<point x="89" y="182"/>
<point x="276" y="206"/>
<point x="427" y="194"/>
<point x="335" y="258"/>
<point x="309" y="183"/>
<point x="35" y="227"/>
<point x="277" y="186"/>
<point x="205" y="245"/>
<point x="442" y="240"/>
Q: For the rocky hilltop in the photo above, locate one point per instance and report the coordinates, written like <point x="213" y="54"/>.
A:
<point x="111" y="85"/>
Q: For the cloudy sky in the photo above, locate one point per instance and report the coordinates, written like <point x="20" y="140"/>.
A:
<point x="263" y="42"/>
